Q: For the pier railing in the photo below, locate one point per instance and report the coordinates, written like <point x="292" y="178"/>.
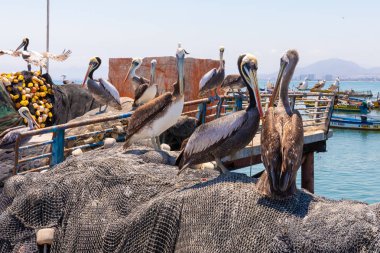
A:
<point x="315" y="108"/>
<point x="56" y="146"/>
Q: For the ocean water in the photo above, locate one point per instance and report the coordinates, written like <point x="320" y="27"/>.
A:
<point x="350" y="169"/>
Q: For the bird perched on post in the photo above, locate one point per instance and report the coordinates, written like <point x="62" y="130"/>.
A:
<point x="226" y="135"/>
<point x="103" y="91"/>
<point x="159" y="114"/>
<point x="39" y="59"/>
<point x="281" y="136"/>
<point x="9" y="136"/>
<point x="212" y="79"/>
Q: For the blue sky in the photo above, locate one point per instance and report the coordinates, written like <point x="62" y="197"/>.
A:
<point x="117" y="28"/>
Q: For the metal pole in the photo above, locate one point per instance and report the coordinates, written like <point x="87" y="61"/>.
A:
<point x="47" y="34"/>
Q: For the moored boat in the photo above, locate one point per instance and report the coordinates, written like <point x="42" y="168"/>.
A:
<point x="360" y="123"/>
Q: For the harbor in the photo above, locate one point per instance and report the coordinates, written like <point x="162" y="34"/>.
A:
<point x="172" y="135"/>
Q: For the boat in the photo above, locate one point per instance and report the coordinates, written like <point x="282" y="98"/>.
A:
<point x="360" y="123"/>
<point x="351" y="93"/>
<point x="345" y="105"/>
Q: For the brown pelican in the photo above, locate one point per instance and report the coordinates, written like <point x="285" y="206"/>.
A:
<point x="146" y="91"/>
<point x="102" y="91"/>
<point x="281" y="137"/>
<point x="303" y="85"/>
<point x="154" y="117"/>
<point x="232" y="82"/>
<point x="9" y="136"/>
<point x="212" y="79"/>
<point x="39" y="59"/>
<point x="136" y="80"/>
<point x="319" y="85"/>
<point x="335" y="85"/>
<point x="226" y="135"/>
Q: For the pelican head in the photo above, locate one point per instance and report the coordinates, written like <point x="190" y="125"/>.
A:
<point x="24" y="43"/>
<point x="247" y="64"/>
<point x="92" y="66"/>
<point x="180" y="55"/>
<point x="288" y="64"/>
<point x="25" y="113"/>
<point x="136" y="63"/>
<point x="221" y="49"/>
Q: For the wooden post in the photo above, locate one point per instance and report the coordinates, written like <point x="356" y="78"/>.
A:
<point x="307" y="172"/>
<point x="58" y="147"/>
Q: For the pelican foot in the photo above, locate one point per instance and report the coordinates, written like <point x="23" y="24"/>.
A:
<point x="221" y="166"/>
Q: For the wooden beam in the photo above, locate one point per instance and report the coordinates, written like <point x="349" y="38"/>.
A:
<point x="307" y="172"/>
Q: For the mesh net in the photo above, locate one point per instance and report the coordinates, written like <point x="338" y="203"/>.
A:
<point x="130" y="201"/>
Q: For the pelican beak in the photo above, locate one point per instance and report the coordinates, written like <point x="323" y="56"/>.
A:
<point x="277" y="85"/>
<point x="32" y="120"/>
<point x="255" y="87"/>
<point x="86" y="76"/>
<point x="129" y="72"/>
<point x="21" y="45"/>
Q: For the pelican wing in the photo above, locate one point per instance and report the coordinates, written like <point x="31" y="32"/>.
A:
<point x="147" y="112"/>
<point x="140" y="90"/>
<point x="214" y="132"/>
<point x="57" y="57"/>
<point x="292" y="141"/>
<point x="206" y="78"/>
<point x="140" y="80"/>
<point x="11" y="53"/>
<point x="108" y="87"/>
<point x="271" y="153"/>
<point x="11" y="137"/>
<point x="233" y="81"/>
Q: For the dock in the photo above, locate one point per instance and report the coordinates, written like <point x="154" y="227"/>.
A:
<point x="316" y="121"/>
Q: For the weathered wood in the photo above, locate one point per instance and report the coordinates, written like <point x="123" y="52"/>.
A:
<point x="307" y="172"/>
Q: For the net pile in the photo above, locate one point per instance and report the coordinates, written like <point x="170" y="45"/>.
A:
<point x="129" y="201"/>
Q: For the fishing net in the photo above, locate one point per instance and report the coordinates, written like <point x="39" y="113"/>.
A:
<point x="130" y="201"/>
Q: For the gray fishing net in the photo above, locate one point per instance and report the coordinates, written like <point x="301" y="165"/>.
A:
<point x="129" y="201"/>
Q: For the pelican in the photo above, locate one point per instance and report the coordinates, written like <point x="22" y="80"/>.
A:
<point x="319" y="85"/>
<point x="303" y="85"/>
<point x="147" y="91"/>
<point x="232" y="82"/>
<point x="39" y="59"/>
<point x="159" y="114"/>
<point x="102" y="91"/>
<point x="335" y="85"/>
<point x="212" y="79"/>
<point x="281" y="137"/>
<point x="136" y="80"/>
<point x="224" y="136"/>
<point x="9" y="136"/>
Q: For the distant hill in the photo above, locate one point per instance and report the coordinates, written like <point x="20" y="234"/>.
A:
<point x="336" y="67"/>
